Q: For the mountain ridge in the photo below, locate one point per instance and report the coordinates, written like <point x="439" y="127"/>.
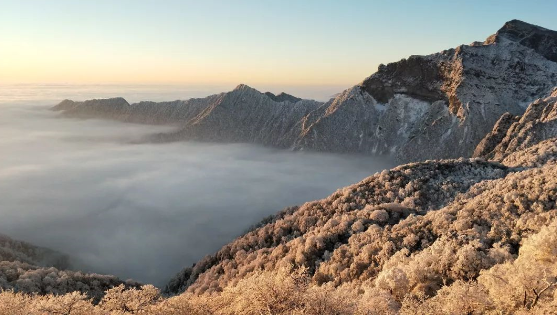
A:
<point x="423" y="107"/>
<point x="514" y="133"/>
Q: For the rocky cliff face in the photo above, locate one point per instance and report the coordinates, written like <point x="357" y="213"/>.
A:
<point x="540" y="39"/>
<point x="514" y="133"/>
<point x="440" y="105"/>
<point x="424" y="107"/>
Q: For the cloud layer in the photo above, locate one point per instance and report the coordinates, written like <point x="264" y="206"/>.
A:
<point x="144" y="211"/>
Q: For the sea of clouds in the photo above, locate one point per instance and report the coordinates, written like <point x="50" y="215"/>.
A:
<point x="143" y="211"/>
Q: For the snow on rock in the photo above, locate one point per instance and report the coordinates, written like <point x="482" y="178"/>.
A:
<point x="423" y="107"/>
<point x="477" y="83"/>
<point x="513" y="134"/>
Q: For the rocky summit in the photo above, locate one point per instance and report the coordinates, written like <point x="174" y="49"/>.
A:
<point x="514" y="133"/>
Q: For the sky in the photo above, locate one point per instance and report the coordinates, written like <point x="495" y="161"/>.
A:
<point x="257" y="42"/>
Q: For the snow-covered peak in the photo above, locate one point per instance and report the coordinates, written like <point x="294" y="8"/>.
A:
<point x="540" y="39"/>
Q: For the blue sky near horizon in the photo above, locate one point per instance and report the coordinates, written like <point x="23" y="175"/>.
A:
<point x="270" y="43"/>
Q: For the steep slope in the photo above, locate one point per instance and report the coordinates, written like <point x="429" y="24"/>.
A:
<point x="514" y="133"/>
<point x="540" y="39"/>
<point x="440" y="105"/>
<point x="544" y="152"/>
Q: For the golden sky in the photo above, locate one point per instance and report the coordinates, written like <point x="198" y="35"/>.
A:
<point x="290" y="42"/>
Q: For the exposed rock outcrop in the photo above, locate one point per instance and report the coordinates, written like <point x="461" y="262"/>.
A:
<point x="452" y="99"/>
<point x="540" y="39"/>
<point x="493" y="138"/>
<point x="513" y="134"/>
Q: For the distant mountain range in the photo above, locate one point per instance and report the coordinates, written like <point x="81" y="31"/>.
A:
<point x="424" y="107"/>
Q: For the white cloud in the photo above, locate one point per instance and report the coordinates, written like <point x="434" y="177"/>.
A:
<point x="145" y="210"/>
